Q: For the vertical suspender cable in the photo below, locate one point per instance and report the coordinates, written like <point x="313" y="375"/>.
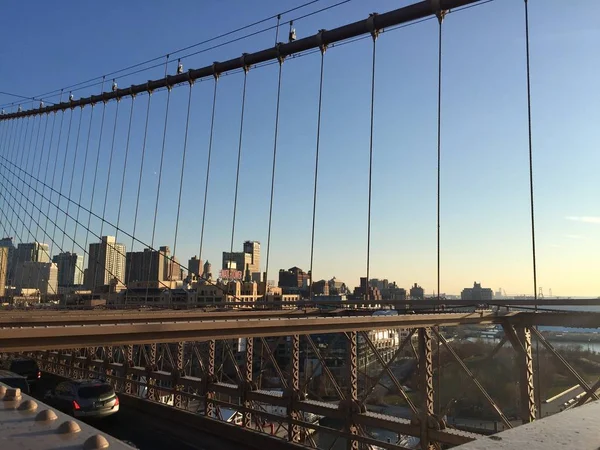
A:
<point x="239" y="158"/>
<point x="110" y="160"/>
<point x="185" y="143"/>
<point x="533" y="252"/>
<point x="137" y="201"/>
<point x="62" y="179"/>
<point x="210" y="142"/>
<point x="265" y="281"/>
<point x="314" y="211"/>
<point x="374" y="34"/>
<point x="117" y="225"/>
<point x="93" y="194"/>
<point x="72" y="176"/>
<point x="17" y="144"/>
<point x="160" y="169"/>
<point x="440" y="15"/>
<point x="83" y="172"/>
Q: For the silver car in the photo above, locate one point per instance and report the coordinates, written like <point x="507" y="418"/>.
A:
<point x="84" y="398"/>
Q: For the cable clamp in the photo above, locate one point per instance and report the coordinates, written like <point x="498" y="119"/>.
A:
<point x="190" y="80"/>
<point x="436" y="7"/>
<point x="148" y="87"/>
<point x="371" y="25"/>
<point x="131" y="93"/>
<point x="215" y="71"/>
<point x="280" y="57"/>
<point x="245" y="66"/>
<point x="169" y="84"/>
<point x="322" y="46"/>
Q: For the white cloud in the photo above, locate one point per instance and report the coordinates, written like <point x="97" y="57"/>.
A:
<point x="585" y="219"/>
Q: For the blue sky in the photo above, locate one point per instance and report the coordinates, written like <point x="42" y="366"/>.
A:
<point x="485" y="191"/>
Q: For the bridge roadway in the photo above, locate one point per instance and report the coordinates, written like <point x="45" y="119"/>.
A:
<point x="145" y="430"/>
<point x="18" y="337"/>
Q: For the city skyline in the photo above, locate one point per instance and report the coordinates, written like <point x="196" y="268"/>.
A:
<point x="170" y="263"/>
<point x="485" y="216"/>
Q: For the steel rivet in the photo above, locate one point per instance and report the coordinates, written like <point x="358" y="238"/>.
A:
<point x="68" y="427"/>
<point x="46" y="415"/>
<point x="95" y="442"/>
<point x="28" y="405"/>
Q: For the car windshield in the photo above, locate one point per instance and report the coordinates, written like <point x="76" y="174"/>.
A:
<point x="95" y="391"/>
<point x="20" y="383"/>
<point x="23" y="366"/>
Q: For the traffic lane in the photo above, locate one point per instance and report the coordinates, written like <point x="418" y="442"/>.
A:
<point x="142" y="430"/>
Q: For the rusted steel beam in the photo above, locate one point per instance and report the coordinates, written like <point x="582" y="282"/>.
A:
<point x="426" y="386"/>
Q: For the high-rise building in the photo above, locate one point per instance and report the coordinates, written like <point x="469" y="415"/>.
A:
<point x="253" y="248"/>
<point x="249" y="259"/>
<point x="195" y="266"/>
<point x="477" y="293"/>
<point x="70" y="269"/>
<point x="152" y="266"/>
<point x="417" y="292"/>
<point x="106" y="261"/>
<point x="7" y="242"/>
<point x="32" y="251"/>
<point x="293" y="278"/>
<point x="3" y="269"/>
<point x="42" y="276"/>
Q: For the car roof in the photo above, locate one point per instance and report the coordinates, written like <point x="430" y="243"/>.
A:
<point x="9" y="374"/>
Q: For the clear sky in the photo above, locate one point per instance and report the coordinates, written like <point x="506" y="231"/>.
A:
<point x="486" y="230"/>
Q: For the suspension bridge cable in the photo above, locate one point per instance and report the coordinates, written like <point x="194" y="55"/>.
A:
<point x="137" y="201"/>
<point x="160" y="170"/>
<point x="185" y="143"/>
<point x="83" y="172"/>
<point x="275" y="141"/>
<point x="61" y="210"/>
<point x="93" y="194"/>
<point x="47" y="164"/>
<point x="9" y="190"/>
<point x="210" y="144"/>
<point x="72" y="176"/>
<point x="124" y="168"/>
<point x="39" y="168"/>
<point x="374" y="34"/>
<point x="17" y="143"/>
<point x="239" y="158"/>
<point x="314" y="209"/>
<point x="110" y="162"/>
<point x="189" y="47"/>
<point x="531" y="199"/>
<point x="440" y="16"/>
<point x="62" y="176"/>
<point x="37" y="223"/>
<point x="43" y="197"/>
<point x="31" y="150"/>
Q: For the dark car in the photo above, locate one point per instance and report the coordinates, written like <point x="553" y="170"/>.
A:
<point x="26" y="367"/>
<point x="14" y="380"/>
<point x="84" y="398"/>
